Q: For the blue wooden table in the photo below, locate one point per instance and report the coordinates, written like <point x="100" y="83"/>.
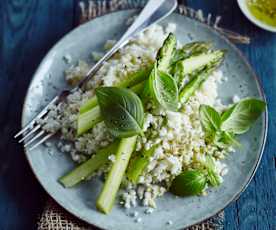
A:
<point x="28" y="29"/>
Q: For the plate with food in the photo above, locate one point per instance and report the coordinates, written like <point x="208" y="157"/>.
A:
<point x="167" y="133"/>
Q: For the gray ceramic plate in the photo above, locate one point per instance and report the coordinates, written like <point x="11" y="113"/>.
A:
<point x="184" y="212"/>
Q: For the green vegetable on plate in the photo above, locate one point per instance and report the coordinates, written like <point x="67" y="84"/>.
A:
<point x="163" y="88"/>
<point x="222" y="128"/>
<point x="122" y="111"/>
<point x="107" y="196"/>
<point x="138" y="164"/>
<point x="86" y="169"/>
<point x="189" y="183"/>
<point x="241" y="116"/>
<point x="132" y="80"/>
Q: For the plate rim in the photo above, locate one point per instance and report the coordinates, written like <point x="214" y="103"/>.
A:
<point x="238" y="51"/>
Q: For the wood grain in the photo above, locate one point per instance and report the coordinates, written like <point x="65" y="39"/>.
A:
<point x="28" y="29"/>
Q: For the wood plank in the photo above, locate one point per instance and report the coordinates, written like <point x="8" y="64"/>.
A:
<point x="257" y="205"/>
<point x="28" y="29"/>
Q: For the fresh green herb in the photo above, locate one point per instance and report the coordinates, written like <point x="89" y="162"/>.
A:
<point x="212" y="176"/>
<point x="163" y="89"/>
<point x="189" y="183"/>
<point x="122" y="111"/>
<point x="221" y="129"/>
<point x="209" y="118"/>
<point x="241" y="116"/>
<point x="223" y="138"/>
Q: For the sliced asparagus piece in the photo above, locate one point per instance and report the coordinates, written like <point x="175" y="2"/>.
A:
<point x="199" y="61"/>
<point x="138" y="164"/>
<point x="190" y="88"/>
<point x="190" y="49"/>
<point x="88" y="119"/>
<point x="87" y="168"/>
<point x="107" y="196"/>
<point x="131" y="80"/>
<point x="166" y="53"/>
<point x="138" y="88"/>
<point x="89" y="104"/>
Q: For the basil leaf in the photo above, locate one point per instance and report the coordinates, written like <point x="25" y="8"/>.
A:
<point x="188" y="183"/>
<point x="209" y="118"/>
<point x="241" y="116"/>
<point x="212" y="176"/>
<point x="122" y="111"/>
<point x="229" y="139"/>
<point x="163" y="89"/>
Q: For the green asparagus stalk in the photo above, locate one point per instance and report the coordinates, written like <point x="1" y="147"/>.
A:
<point x="89" y="119"/>
<point x="186" y="51"/>
<point x="166" y="53"/>
<point x="132" y="80"/>
<point x="107" y="196"/>
<point x="190" y="49"/>
<point x="138" y="164"/>
<point x="87" y="168"/>
<point x="196" y="62"/>
<point x="183" y="68"/>
<point x="190" y="88"/>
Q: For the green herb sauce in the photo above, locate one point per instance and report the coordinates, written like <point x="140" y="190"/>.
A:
<point x="263" y="10"/>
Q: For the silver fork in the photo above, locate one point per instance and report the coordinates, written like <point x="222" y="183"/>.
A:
<point x="155" y="10"/>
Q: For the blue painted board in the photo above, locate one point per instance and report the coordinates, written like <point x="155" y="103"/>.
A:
<point x="27" y="30"/>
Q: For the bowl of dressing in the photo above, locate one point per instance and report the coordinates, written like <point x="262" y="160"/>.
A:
<point x="261" y="12"/>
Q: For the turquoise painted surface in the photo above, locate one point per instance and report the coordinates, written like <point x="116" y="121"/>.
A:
<point x="29" y="28"/>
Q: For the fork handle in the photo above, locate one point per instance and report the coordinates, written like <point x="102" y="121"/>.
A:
<point x="139" y="24"/>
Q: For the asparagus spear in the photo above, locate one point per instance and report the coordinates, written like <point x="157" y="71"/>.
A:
<point x="91" y="117"/>
<point x="199" y="61"/>
<point x="186" y="51"/>
<point x="107" y="196"/>
<point x="190" y="49"/>
<point x="132" y="80"/>
<point x="138" y="164"/>
<point x="190" y="88"/>
<point x="87" y="168"/>
<point x="166" y="53"/>
<point x="193" y="63"/>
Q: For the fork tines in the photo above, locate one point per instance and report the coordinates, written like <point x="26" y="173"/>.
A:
<point x="32" y="134"/>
